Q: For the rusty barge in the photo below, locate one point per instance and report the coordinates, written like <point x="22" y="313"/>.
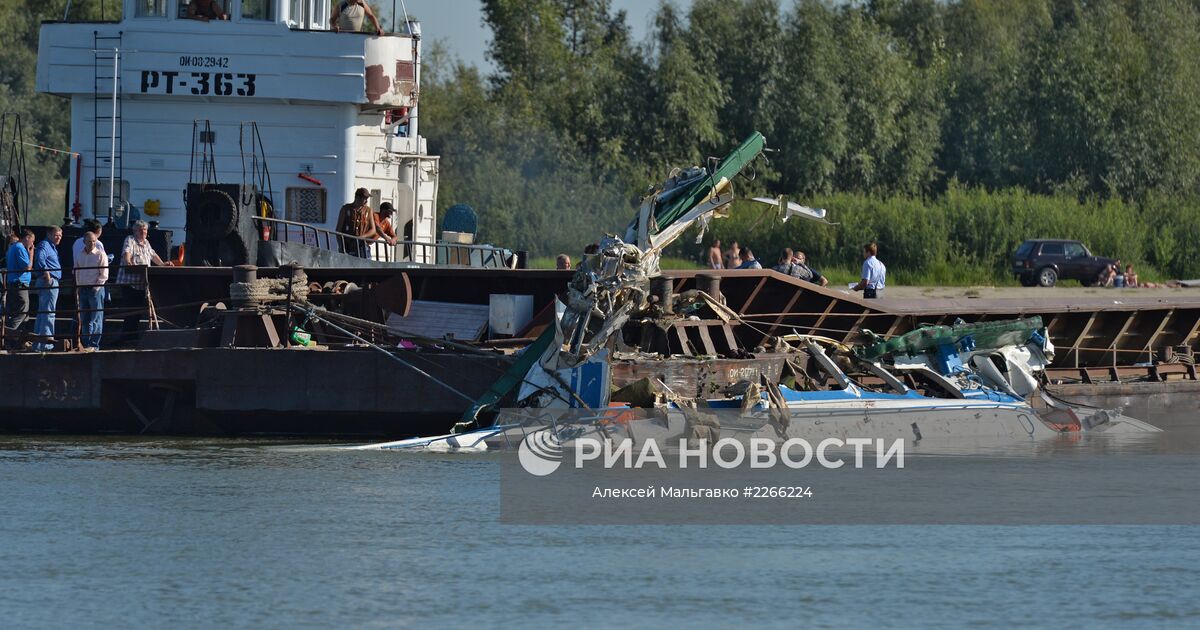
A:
<point x="223" y="368"/>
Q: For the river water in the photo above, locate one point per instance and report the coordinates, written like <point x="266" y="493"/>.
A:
<point x="151" y="532"/>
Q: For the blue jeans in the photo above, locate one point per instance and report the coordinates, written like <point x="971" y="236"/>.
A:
<point x="91" y="316"/>
<point x="47" y="301"/>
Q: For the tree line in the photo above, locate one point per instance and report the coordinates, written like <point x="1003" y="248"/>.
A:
<point x="912" y="121"/>
<point x="920" y="119"/>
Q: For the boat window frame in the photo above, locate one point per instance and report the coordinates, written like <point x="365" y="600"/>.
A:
<point x="272" y="12"/>
<point x="315" y="20"/>
<point x="182" y="5"/>
<point x="137" y="4"/>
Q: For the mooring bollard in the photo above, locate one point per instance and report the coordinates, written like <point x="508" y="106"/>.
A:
<point x="242" y="275"/>
<point x="709" y="284"/>
<point x="245" y="273"/>
<point x="662" y="288"/>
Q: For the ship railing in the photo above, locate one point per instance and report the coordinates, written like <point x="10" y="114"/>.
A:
<point x="442" y="254"/>
<point x="122" y="300"/>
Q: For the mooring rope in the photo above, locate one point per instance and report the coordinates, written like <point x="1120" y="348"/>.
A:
<point x="311" y="312"/>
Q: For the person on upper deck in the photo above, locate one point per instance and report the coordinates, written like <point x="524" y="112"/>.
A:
<point x="402" y="119"/>
<point x="205" y="10"/>
<point x="356" y="219"/>
<point x="348" y="16"/>
<point x="383" y="223"/>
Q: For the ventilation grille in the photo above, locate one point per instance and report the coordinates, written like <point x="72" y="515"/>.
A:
<point x="306" y="205"/>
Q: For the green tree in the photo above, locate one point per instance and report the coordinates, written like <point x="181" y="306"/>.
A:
<point x="686" y="97"/>
<point x="811" y="126"/>
<point x="987" y="134"/>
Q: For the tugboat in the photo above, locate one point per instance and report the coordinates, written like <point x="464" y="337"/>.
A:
<point x="338" y="112"/>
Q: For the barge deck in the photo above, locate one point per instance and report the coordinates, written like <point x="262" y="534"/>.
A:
<point x="1128" y="352"/>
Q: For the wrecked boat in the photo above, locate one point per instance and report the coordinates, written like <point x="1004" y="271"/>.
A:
<point x="960" y="381"/>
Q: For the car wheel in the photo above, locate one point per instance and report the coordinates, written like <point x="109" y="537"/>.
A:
<point x="1047" y="276"/>
<point x="1027" y="280"/>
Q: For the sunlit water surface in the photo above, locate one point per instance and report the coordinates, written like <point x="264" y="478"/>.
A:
<point x="150" y="532"/>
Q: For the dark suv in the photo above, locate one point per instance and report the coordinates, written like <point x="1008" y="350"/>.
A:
<point x="1045" y="261"/>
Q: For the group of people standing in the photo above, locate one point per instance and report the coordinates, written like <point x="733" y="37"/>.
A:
<point x="37" y="268"/>
<point x="736" y="257"/>
<point x="794" y="263"/>
<point x="357" y="219"/>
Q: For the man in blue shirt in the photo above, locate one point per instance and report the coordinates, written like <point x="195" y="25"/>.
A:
<point x="18" y="261"/>
<point x="47" y="272"/>
<point x="873" y="273"/>
<point x="748" y="260"/>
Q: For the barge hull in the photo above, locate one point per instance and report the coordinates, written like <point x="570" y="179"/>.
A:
<point x="242" y="391"/>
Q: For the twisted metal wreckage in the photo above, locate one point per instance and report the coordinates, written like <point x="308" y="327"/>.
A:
<point x="567" y="366"/>
<point x="974" y="379"/>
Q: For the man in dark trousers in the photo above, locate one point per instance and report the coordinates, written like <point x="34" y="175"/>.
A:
<point x="18" y="262"/>
<point x="873" y="273"/>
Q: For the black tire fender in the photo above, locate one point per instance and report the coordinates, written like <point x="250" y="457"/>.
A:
<point x="212" y="214"/>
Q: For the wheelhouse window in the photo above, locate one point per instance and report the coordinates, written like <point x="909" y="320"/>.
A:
<point x="308" y="14"/>
<point x="258" y="10"/>
<point x="150" y="8"/>
<point x="299" y="14"/>
<point x="222" y="7"/>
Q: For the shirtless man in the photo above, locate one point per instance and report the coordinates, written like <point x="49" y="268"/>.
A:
<point x="356" y="219"/>
<point x="205" y="10"/>
<point x="733" y="257"/>
<point x="714" y="255"/>
<point x="348" y="16"/>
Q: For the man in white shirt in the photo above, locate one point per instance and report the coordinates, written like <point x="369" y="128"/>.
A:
<point x="873" y="273"/>
<point x="93" y="226"/>
<point x="91" y="272"/>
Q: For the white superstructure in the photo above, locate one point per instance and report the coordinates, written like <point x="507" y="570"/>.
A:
<point x="328" y="106"/>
